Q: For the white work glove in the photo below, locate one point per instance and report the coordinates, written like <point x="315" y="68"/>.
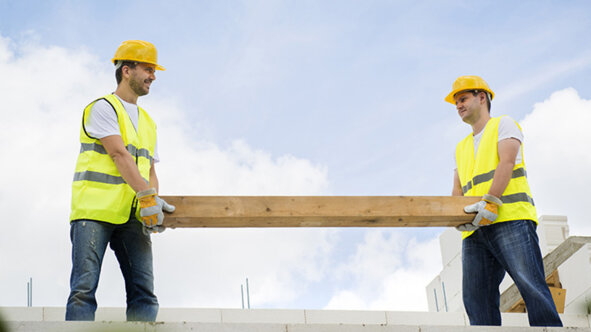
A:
<point x="159" y="228"/>
<point x="486" y="212"/>
<point x="151" y="207"/>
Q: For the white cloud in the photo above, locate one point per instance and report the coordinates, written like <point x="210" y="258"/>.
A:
<point x="43" y="92"/>
<point x="557" y="140"/>
<point x="390" y="271"/>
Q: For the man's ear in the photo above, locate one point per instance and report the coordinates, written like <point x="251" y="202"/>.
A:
<point x="483" y="97"/>
<point x="125" y="71"/>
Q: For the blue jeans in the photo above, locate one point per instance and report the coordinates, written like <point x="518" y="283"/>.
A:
<point x="510" y="246"/>
<point x="133" y="249"/>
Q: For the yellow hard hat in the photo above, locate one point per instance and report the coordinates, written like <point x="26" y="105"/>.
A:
<point x="137" y="50"/>
<point x="464" y="83"/>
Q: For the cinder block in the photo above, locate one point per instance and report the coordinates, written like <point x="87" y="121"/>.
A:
<point x="56" y="314"/>
<point x="514" y="319"/>
<point x="450" y="242"/>
<point x="22" y="313"/>
<point x="479" y="329"/>
<point x="350" y="328"/>
<point x="213" y="327"/>
<point x="425" y="318"/>
<point x="263" y="316"/>
<point x="345" y="317"/>
<point x="76" y="326"/>
<point x="110" y="315"/>
<point x="572" y="320"/>
<point x="189" y="315"/>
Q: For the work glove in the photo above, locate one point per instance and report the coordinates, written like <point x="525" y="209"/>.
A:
<point x="486" y="212"/>
<point x="159" y="228"/>
<point x="150" y="211"/>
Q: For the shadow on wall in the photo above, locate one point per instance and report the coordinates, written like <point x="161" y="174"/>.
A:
<point x="3" y="327"/>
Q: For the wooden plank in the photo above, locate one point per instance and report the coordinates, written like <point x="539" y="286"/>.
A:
<point x="318" y="211"/>
<point x="551" y="262"/>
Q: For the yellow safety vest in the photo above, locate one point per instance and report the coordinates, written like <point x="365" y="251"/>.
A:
<point x="98" y="190"/>
<point x="476" y="175"/>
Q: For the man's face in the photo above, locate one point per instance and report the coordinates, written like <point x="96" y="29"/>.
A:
<point x="468" y="106"/>
<point x="141" y="77"/>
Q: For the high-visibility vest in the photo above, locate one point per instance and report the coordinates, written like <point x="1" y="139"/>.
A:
<point x="476" y="175"/>
<point x="98" y="190"/>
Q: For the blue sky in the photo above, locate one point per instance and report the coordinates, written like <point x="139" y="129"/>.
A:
<point x="298" y="97"/>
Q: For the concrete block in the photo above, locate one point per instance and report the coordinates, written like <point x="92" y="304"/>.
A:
<point x="110" y="315"/>
<point x="514" y="319"/>
<point x="350" y="328"/>
<point x="189" y="315"/>
<point x="569" y="329"/>
<point x="56" y="314"/>
<point x="451" y="282"/>
<point x="572" y="320"/>
<point x="345" y="317"/>
<point x="263" y="316"/>
<point x="479" y="329"/>
<point x="213" y="327"/>
<point x="570" y="273"/>
<point x="425" y="318"/>
<point x="450" y="242"/>
<point x="76" y="327"/>
<point x="22" y="313"/>
<point x="434" y="295"/>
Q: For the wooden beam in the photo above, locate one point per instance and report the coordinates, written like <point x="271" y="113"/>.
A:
<point x="551" y="262"/>
<point x="318" y="211"/>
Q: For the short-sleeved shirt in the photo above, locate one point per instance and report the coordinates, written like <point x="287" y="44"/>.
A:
<point x="507" y="129"/>
<point x="102" y="121"/>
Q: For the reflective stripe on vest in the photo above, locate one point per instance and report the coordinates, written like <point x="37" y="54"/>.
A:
<point x="477" y="172"/>
<point x="99" y="192"/>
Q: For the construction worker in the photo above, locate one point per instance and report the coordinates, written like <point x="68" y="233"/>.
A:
<point x="114" y="192"/>
<point x="502" y="237"/>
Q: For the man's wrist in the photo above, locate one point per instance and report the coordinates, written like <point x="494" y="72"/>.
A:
<point x="148" y="192"/>
<point x="492" y="199"/>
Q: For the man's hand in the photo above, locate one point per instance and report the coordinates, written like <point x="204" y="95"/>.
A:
<point x="486" y="212"/>
<point x="165" y="206"/>
<point x="159" y="228"/>
<point x="150" y="210"/>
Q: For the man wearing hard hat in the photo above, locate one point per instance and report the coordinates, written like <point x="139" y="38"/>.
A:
<point x="502" y="237"/>
<point x="114" y="192"/>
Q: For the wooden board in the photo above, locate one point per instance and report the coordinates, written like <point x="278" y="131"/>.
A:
<point x="318" y="211"/>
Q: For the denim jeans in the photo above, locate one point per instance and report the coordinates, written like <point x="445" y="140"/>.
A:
<point x="510" y="246"/>
<point x="133" y="249"/>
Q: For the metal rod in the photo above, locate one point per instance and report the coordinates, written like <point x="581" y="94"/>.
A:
<point x="247" y="294"/>
<point x="444" y="295"/>
<point x="242" y="294"/>
<point x="31" y="293"/>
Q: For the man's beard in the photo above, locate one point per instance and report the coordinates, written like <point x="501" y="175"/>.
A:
<point x="138" y="87"/>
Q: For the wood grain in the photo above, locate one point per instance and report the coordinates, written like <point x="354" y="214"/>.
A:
<point x="318" y="211"/>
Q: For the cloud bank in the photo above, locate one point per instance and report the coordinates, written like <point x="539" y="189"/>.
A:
<point x="44" y="91"/>
<point x="557" y="140"/>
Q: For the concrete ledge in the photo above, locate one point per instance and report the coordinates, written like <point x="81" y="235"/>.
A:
<point x="253" y="327"/>
<point x="298" y="319"/>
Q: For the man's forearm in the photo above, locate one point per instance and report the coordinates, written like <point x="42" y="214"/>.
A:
<point x="501" y="179"/>
<point x="130" y="173"/>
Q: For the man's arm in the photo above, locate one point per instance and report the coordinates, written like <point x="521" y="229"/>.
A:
<point x="507" y="150"/>
<point x="124" y="162"/>
<point x="153" y="178"/>
<point x="457" y="189"/>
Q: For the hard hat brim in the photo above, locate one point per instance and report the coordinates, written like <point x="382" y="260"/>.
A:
<point x="158" y="67"/>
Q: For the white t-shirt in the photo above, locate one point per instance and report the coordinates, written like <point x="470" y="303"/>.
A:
<point x="102" y="121"/>
<point x="507" y="129"/>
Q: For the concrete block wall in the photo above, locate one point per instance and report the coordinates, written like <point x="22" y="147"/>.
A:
<point x="284" y="316"/>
